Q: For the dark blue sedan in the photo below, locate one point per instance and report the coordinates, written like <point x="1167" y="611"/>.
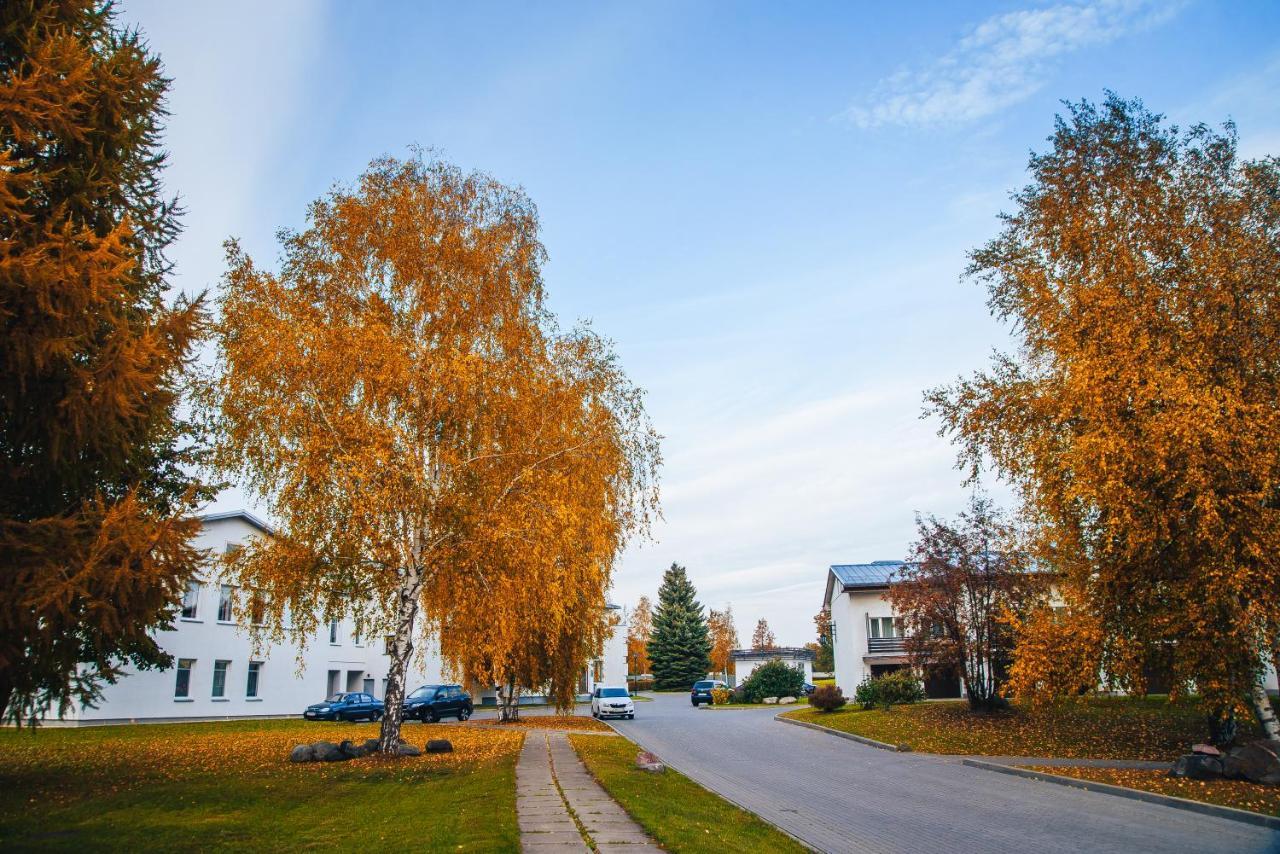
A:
<point x="351" y="706"/>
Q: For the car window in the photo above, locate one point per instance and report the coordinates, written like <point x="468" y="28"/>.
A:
<point x="334" y="698"/>
<point x="702" y="686"/>
<point x="426" y="692"/>
<point x="613" y="692"/>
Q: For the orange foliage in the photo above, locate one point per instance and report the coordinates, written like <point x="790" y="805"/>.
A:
<point x="639" y="629"/>
<point x="762" y="637"/>
<point x="724" y="638"/>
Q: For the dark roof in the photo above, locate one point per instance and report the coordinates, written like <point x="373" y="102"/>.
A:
<point x="875" y="574"/>
<point x="772" y="653"/>
<point x="239" y="514"/>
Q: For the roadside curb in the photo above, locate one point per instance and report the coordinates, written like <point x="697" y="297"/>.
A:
<point x="870" y="742"/>
<point x="1231" y="813"/>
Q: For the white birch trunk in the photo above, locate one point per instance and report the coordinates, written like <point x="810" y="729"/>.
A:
<point x="509" y="701"/>
<point x="407" y="604"/>
<point x="1263" y="710"/>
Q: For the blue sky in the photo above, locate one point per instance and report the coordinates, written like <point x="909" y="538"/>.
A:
<point x="767" y="206"/>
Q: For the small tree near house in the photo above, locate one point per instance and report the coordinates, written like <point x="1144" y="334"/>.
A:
<point x="959" y="584"/>
<point x="762" y="637"/>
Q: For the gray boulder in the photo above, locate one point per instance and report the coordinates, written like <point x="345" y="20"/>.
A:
<point x="439" y="745"/>
<point x="1258" y="762"/>
<point x="772" y="701"/>
<point x="301" y="753"/>
<point x="371" y="745"/>
<point x="327" y="751"/>
<point x="782" y="701"/>
<point x="1197" y="766"/>
<point x="405" y="749"/>
<point x="646" y="761"/>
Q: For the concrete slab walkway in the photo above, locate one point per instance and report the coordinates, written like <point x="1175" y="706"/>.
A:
<point x="561" y="806"/>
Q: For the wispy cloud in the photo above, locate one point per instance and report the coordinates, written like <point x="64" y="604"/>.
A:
<point x="1004" y="60"/>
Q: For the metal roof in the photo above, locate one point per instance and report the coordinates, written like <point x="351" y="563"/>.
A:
<point x="244" y="515"/>
<point x="875" y="574"/>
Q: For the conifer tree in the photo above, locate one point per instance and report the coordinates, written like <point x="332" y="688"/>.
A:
<point x="680" y="647"/>
<point x="94" y="504"/>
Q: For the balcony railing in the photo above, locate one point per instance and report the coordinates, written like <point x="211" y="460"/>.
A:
<point x="886" y="646"/>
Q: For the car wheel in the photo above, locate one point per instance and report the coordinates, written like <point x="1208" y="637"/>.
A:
<point x="631" y="717"/>
<point x="464" y="714"/>
<point x="375" y="717"/>
<point x="430" y="716"/>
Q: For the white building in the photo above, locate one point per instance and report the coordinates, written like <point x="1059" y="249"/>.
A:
<point x="745" y="661"/>
<point x="867" y="637"/>
<point x="217" y="674"/>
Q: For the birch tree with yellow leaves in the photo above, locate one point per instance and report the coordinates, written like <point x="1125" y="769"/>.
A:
<point x="441" y="461"/>
<point x="1140" y="414"/>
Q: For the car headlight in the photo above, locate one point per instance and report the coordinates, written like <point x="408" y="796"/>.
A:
<point x="323" y="709"/>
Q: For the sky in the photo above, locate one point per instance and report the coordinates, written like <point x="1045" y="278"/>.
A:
<point x="766" y="206"/>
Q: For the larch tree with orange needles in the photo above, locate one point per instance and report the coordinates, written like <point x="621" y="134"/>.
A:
<point x="639" y="630"/>
<point x="724" y="639"/>
<point x="762" y="637"/>
<point x="96" y="499"/>
<point x="1140" y="415"/>
<point x="440" y="460"/>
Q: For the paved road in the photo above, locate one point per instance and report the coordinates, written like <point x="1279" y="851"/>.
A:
<point x="838" y="795"/>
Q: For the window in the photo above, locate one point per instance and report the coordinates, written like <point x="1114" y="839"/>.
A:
<point x="220" y="678"/>
<point x="182" y="688"/>
<point x="884" y="627"/>
<point x="333" y="632"/>
<point x="251" y="686"/>
<point x="226" y="597"/>
<point x="191" y="600"/>
<point x="257" y="607"/>
<point x="355" y="637"/>
<point x="334" y="676"/>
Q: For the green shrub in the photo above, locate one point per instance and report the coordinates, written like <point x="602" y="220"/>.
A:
<point x="900" y="687"/>
<point x="773" y="679"/>
<point x="827" y="698"/>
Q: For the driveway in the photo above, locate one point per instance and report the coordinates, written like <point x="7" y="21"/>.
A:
<point x="838" y="795"/>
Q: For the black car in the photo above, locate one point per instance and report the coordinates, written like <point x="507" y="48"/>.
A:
<point x="351" y="706"/>
<point x="430" y="703"/>
<point x="809" y="688"/>
<point x="701" y="692"/>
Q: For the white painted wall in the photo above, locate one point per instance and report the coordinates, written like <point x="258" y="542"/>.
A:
<point x="745" y="667"/>
<point x="615" y="656"/>
<point x="287" y="683"/>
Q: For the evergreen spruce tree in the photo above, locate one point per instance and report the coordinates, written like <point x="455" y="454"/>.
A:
<point x="680" y="646"/>
<point x="95" y="501"/>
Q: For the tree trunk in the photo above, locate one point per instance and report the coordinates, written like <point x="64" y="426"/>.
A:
<point x="1263" y="711"/>
<point x="1222" y="727"/>
<point x="509" y="701"/>
<point x="400" y="653"/>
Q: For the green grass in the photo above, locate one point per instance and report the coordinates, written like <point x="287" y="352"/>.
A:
<point x="227" y="786"/>
<point x="676" y="811"/>
<point x="1149" y="728"/>
<point x="818" y="683"/>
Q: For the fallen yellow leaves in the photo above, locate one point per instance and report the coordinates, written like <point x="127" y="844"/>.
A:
<point x="69" y="763"/>
<point x="569" y="723"/>
<point x="1230" y="793"/>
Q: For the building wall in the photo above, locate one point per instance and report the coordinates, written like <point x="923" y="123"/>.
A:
<point x="615" y="657"/>
<point x="743" y="668"/>
<point x="287" y="682"/>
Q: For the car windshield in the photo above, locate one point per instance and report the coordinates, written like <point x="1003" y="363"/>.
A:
<point x="613" y="692"/>
<point x="425" y="693"/>
<point x="702" y="686"/>
<point x="335" y="698"/>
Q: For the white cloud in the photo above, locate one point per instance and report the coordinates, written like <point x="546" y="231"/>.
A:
<point x="1004" y="60"/>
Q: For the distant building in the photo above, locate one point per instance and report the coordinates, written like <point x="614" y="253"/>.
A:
<point x="216" y="673"/>
<point x="745" y="661"/>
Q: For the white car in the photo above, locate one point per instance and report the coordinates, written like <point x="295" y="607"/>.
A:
<point x="609" y="702"/>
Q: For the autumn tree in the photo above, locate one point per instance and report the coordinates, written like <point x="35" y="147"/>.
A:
<point x="762" y="637"/>
<point x="639" y="630"/>
<point x="1140" y="414"/>
<point x="441" y="461"/>
<point x="953" y="596"/>
<point x="724" y="639"/>
<point x="95" y="509"/>
<point x="824" y="658"/>
<point x="680" y="648"/>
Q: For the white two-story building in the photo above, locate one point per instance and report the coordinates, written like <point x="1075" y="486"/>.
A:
<point x="217" y="673"/>
<point x="867" y="637"/>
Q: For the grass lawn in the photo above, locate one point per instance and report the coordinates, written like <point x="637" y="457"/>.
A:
<point x="578" y="723"/>
<point x="676" y="811"/>
<point x="228" y="786"/>
<point x="1096" y="727"/>
<point x="1231" y="793"/>
<point x="818" y="683"/>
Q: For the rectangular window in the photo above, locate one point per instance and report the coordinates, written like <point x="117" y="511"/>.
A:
<point x="251" y="686"/>
<point x="182" y="688"/>
<point x="226" y="596"/>
<point x="334" y="676"/>
<point x="333" y="632"/>
<point x="191" y="600"/>
<point x="355" y="637"/>
<point x="884" y="627"/>
<point x="220" y="678"/>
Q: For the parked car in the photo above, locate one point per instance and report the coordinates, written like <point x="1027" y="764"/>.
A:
<point x="701" y="692"/>
<point x="349" y="706"/>
<point x="430" y="703"/>
<point x="610" y="702"/>
<point x="809" y="688"/>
